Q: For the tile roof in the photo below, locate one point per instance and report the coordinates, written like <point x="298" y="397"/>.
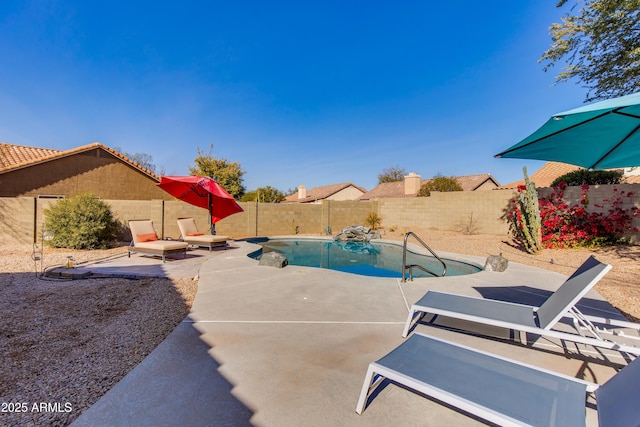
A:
<point x="396" y="189"/>
<point x="473" y="182"/>
<point x="545" y="176"/>
<point x="14" y="157"/>
<point x="322" y="192"/>
<point x="386" y="190"/>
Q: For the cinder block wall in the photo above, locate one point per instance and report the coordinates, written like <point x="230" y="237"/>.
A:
<point x="448" y="211"/>
<point x="340" y="214"/>
<point x="22" y="218"/>
<point x="17" y="220"/>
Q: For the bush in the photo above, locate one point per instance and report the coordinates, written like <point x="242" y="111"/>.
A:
<point x="373" y="220"/>
<point x="565" y="226"/>
<point x="439" y="183"/>
<point x="587" y="177"/>
<point x="80" y="222"/>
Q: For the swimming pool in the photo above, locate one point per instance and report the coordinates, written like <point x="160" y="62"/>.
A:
<point x="367" y="259"/>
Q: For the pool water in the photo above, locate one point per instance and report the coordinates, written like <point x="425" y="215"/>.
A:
<point x="367" y="259"/>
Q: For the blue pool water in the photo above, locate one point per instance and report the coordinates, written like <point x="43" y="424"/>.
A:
<point x="368" y="259"/>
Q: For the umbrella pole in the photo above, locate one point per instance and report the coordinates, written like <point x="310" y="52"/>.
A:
<point x="212" y="226"/>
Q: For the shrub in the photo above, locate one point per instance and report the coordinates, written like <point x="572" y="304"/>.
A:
<point x="565" y="226"/>
<point x="80" y="222"/>
<point x="439" y="183"/>
<point x="467" y="226"/>
<point x="587" y="177"/>
<point x="373" y="220"/>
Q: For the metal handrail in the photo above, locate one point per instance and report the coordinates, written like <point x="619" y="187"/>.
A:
<point x="410" y="267"/>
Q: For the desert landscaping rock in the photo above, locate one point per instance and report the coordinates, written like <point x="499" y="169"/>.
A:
<point x="273" y="259"/>
<point x="496" y="263"/>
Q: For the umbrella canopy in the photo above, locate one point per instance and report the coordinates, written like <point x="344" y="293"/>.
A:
<point x="603" y="135"/>
<point x="203" y="192"/>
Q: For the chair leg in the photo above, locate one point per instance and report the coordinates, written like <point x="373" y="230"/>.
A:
<point x="367" y="387"/>
<point x="520" y="336"/>
<point x="410" y="321"/>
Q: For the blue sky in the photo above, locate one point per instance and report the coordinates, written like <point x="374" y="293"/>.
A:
<point x="297" y="92"/>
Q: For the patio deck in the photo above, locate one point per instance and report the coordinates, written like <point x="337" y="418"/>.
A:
<point x="273" y="347"/>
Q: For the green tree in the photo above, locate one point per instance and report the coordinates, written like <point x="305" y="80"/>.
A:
<point x="600" y="46"/>
<point x="227" y="174"/>
<point x="584" y="176"/>
<point x="391" y="174"/>
<point x="266" y="194"/>
<point x="439" y="183"/>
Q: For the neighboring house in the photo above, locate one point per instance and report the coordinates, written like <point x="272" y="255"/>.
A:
<point x="411" y="184"/>
<point x="544" y="176"/>
<point x="43" y="172"/>
<point x="343" y="191"/>
<point x="548" y="173"/>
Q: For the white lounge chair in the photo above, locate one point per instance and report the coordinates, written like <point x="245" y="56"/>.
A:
<point x="145" y="240"/>
<point x="190" y="234"/>
<point x="524" y="319"/>
<point x="501" y="390"/>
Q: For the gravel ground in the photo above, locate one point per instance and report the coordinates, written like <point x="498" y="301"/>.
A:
<point x="66" y="343"/>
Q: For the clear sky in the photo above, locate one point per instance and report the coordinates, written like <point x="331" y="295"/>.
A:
<point x="297" y="92"/>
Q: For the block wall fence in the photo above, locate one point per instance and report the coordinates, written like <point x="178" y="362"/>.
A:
<point x="21" y="218"/>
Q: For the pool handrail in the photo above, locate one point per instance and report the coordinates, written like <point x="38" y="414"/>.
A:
<point x="410" y="267"/>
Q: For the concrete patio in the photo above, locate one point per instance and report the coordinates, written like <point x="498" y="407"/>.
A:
<point x="279" y="347"/>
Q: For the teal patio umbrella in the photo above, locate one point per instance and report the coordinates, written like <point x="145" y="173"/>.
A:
<point x="603" y="135"/>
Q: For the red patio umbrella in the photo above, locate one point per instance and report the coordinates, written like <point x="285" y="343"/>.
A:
<point x="203" y="192"/>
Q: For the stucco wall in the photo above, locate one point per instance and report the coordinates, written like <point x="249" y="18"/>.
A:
<point x="349" y="193"/>
<point x="95" y="170"/>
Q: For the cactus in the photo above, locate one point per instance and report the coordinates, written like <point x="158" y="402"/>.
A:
<point x="524" y="216"/>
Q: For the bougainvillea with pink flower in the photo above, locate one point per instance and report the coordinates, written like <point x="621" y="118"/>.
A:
<point x="568" y="226"/>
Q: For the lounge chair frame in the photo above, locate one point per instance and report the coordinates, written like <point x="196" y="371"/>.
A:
<point x="188" y="225"/>
<point x="499" y="387"/>
<point x="523" y="319"/>
<point x="160" y="248"/>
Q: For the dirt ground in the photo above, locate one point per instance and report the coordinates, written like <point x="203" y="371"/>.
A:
<point x="66" y="343"/>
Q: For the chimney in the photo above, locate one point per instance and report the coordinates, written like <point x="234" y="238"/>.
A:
<point x="302" y="192"/>
<point x="411" y="184"/>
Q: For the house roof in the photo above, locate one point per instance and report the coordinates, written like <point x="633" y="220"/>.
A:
<point x="386" y="190"/>
<point x="473" y="182"/>
<point x="396" y="188"/>
<point x="322" y="192"/>
<point x="545" y="176"/>
<point x="13" y="157"/>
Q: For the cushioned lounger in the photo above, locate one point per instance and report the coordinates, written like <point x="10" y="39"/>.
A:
<point x="500" y="390"/>
<point x="190" y="234"/>
<point x="536" y="320"/>
<point x="145" y="240"/>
